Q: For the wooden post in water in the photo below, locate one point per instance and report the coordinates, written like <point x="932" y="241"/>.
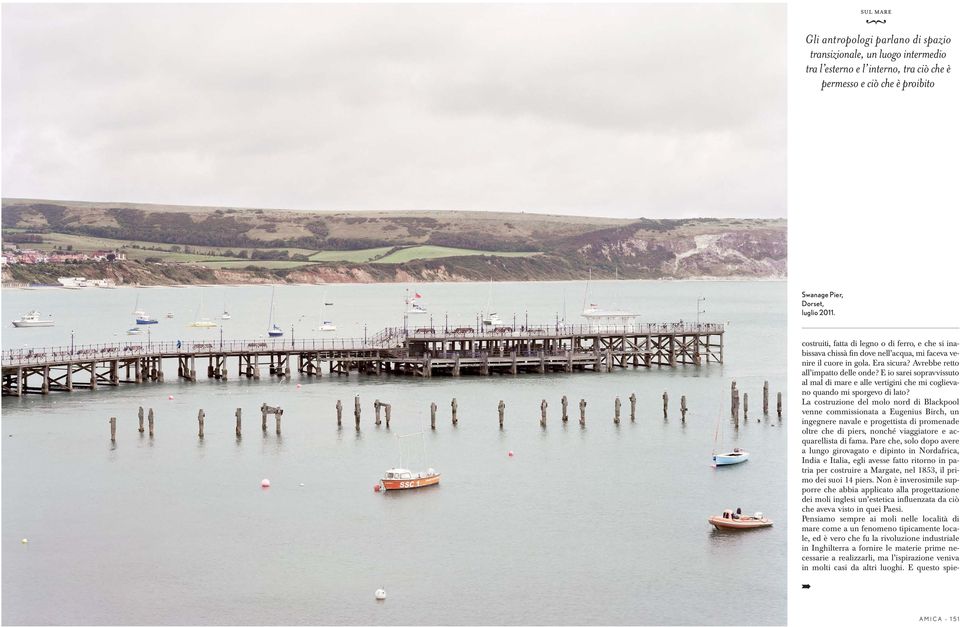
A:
<point x="563" y="408"/>
<point x="386" y="410"/>
<point x="683" y="408"/>
<point x="745" y="406"/>
<point x="263" y="417"/>
<point x="356" y="411"/>
<point x="543" y="413"/>
<point x="376" y="411"/>
<point x="339" y="413"/>
<point x="779" y="404"/>
<point x="616" y="410"/>
<point x="278" y="415"/>
<point x="633" y="406"/>
<point x="150" y="421"/>
<point x="734" y="399"/>
<point x="666" y="402"/>
<point x="200" y="416"/>
<point x="583" y="412"/>
<point x="113" y="428"/>
<point x="500" y="408"/>
<point x="453" y="410"/>
<point x="433" y="415"/>
<point x="238" y="412"/>
<point x="139" y="417"/>
<point x="766" y="398"/>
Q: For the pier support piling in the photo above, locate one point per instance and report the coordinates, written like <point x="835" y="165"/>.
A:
<point x="200" y="416"/>
<point x="563" y="408"/>
<point x="433" y="415"/>
<point x="766" y="398"/>
<point x="666" y="402"/>
<point x="583" y="412"/>
<point x="386" y="411"/>
<point x="543" y="413"/>
<point x="501" y="406"/>
<point x="339" y="413"/>
<point x="779" y="404"/>
<point x="683" y="408"/>
<point x="113" y="428"/>
<point x="616" y="410"/>
<point x="238" y="412"/>
<point x="356" y="411"/>
<point x="453" y="411"/>
<point x="376" y="412"/>
<point x="140" y="419"/>
<point x="633" y="407"/>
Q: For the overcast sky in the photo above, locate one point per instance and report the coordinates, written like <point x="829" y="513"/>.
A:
<point x="615" y="110"/>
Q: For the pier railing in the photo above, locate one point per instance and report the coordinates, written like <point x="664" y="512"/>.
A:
<point x="509" y="330"/>
<point x="390" y="338"/>
<point x="114" y="350"/>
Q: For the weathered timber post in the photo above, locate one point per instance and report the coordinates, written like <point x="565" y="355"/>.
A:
<point x="356" y="411"/>
<point x="734" y="399"/>
<point x="200" y="416"/>
<point x="500" y="408"/>
<point x="766" y="398"/>
<point x="745" y="406"/>
<point x="563" y="408"/>
<point x="433" y="415"/>
<point x="683" y="408"/>
<point x="278" y="415"/>
<point x="583" y="412"/>
<point x="779" y="404"/>
<point x="666" y="402"/>
<point x="263" y="417"/>
<point x="633" y="406"/>
<point x="453" y="410"/>
<point x="616" y="410"/>
<point x="386" y="410"/>
<point x="150" y="421"/>
<point x="238" y="412"/>
<point x="543" y="413"/>
<point x="140" y="418"/>
<point x="113" y="428"/>
<point x="376" y="411"/>
<point x="339" y="413"/>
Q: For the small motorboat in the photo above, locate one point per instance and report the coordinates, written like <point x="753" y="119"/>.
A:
<point x="169" y="314"/>
<point x="732" y="520"/>
<point x="203" y="323"/>
<point x="143" y="318"/>
<point x="736" y="456"/>
<point x="135" y="331"/>
<point x="327" y="325"/>
<point x="225" y="316"/>
<point x="403" y="479"/>
<point x="32" y="319"/>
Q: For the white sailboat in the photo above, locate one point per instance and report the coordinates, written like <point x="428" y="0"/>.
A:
<point x="325" y="325"/>
<point x="274" y="329"/>
<point x="200" y="322"/>
<point x="600" y="318"/>
<point x="414" y="307"/>
<point x="490" y="319"/>
<point x="736" y="456"/>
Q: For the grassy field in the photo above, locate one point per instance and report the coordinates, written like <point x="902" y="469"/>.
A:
<point x="240" y="264"/>
<point x="353" y="256"/>
<point x="434" y="252"/>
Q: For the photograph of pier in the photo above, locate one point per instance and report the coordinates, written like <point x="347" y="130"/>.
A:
<point x="393" y="314"/>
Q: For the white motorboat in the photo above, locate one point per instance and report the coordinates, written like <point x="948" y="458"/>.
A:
<point x="32" y="319"/>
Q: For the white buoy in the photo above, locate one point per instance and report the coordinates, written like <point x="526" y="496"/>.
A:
<point x="301" y="485"/>
<point x="24" y="541"/>
<point x="380" y="594"/>
<point x="265" y="483"/>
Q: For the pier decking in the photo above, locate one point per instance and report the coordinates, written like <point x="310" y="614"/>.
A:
<point x="423" y="352"/>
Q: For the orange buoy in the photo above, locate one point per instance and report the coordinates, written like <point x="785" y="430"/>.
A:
<point x="510" y="454"/>
<point x="377" y="487"/>
<point x="298" y="386"/>
<point x="265" y="483"/>
<point x="170" y="398"/>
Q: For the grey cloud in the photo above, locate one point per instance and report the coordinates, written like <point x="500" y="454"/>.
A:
<point x="621" y="110"/>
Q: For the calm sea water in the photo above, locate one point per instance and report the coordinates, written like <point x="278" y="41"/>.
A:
<point x="601" y="525"/>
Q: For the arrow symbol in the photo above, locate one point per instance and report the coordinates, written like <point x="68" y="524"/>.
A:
<point x="805" y="586"/>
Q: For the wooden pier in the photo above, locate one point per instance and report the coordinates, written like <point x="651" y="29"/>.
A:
<point x="421" y="352"/>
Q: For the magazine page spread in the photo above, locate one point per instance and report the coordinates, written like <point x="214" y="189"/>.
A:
<point x="874" y="325"/>
<point x="480" y="313"/>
